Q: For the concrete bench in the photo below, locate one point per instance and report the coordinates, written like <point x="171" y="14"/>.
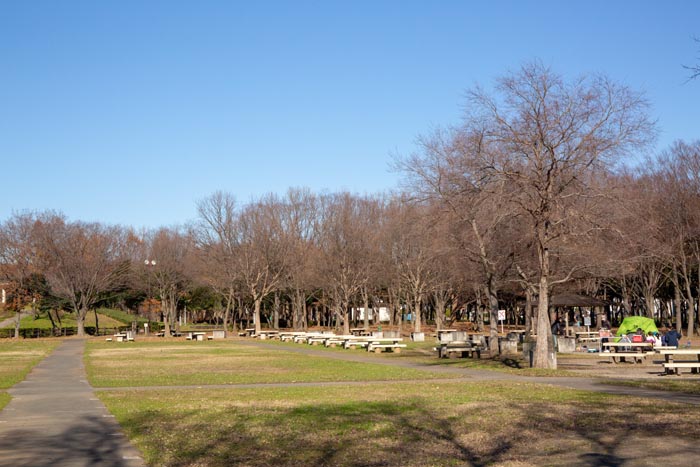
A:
<point x="464" y="351"/>
<point x="612" y="356"/>
<point x="676" y="366"/>
<point x="378" y="348"/>
<point x="352" y="344"/>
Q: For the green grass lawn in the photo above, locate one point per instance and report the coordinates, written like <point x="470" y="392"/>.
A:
<point x="17" y="358"/>
<point x="69" y="321"/>
<point x="376" y="419"/>
<point x="156" y="363"/>
<point x="401" y="424"/>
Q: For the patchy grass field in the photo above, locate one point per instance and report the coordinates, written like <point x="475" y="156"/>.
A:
<point x="401" y="424"/>
<point x="371" y="421"/>
<point x="17" y="358"/>
<point x="170" y="363"/>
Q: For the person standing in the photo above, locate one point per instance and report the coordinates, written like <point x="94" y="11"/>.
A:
<point x="672" y="338"/>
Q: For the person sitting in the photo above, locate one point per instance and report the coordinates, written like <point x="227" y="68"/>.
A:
<point x="657" y="339"/>
<point x="650" y="338"/>
<point x="625" y="340"/>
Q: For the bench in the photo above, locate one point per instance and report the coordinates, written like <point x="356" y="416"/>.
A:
<point x="378" y="348"/>
<point x="676" y="366"/>
<point x="464" y="351"/>
<point x="637" y="356"/>
<point x="351" y="344"/>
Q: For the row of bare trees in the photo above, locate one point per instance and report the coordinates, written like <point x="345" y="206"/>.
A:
<point x="527" y="195"/>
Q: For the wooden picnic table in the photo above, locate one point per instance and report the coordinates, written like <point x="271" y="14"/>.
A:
<point x="671" y="363"/>
<point x="360" y="332"/>
<point x="621" y="350"/>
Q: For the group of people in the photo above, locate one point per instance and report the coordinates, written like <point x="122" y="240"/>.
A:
<point x="671" y="338"/>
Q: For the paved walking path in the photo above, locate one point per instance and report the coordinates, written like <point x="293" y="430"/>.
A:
<point x="54" y="419"/>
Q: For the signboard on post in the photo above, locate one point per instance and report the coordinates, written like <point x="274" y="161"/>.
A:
<point x="501" y="318"/>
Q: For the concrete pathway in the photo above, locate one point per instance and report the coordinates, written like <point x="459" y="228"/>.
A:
<point x="54" y="419"/>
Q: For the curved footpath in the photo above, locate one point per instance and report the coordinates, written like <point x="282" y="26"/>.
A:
<point x="54" y="419"/>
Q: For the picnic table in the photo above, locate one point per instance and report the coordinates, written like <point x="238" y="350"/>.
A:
<point x="440" y="332"/>
<point x="119" y="337"/>
<point x="250" y="332"/>
<point x="379" y="344"/>
<point x="464" y="348"/>
<point x="622" y="350"/>
<point x="672" y="364"/>
<point x="268" y="334"/>
<point x="360" y="332"/>
<point x="289" y="335"/>
<point x="195" y="336"/>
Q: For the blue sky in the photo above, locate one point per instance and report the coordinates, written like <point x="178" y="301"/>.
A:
<point x="129" y="112"/>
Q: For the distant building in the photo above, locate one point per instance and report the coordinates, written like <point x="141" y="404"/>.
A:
<point x="359" y="314"/>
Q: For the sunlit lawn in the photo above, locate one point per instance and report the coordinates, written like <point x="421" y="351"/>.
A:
<point x="154" y="363"/>
<point x="402" y="424"/>
<point x="68" y="320"/>
<point x="17" y="358"/>
<point x="378" y="420"/>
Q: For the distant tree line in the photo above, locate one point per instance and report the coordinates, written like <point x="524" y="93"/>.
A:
<point x="528" y="195"/>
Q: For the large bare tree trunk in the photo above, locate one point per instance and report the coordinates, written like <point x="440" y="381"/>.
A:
<point x="545" y="354"/>
<point x="18" y="320"/>
<point x="80" y="318"/>
<point x="493" y="319"/>
<point x="256" y="314"/>
<point x="417" y="313"/>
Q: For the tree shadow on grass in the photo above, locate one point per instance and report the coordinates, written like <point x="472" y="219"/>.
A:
<point x="89" y="441"/>
<point x="411" y="432"/>
<point x="347" y="435"/>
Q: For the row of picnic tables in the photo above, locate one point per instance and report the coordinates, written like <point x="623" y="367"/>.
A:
<point x="675" y="359"/>
<point x="360" y="338"/>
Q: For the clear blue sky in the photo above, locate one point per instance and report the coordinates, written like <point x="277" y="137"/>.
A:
<point x="129" y="112"/>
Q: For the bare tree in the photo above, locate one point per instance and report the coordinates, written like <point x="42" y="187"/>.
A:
<point x="300" y="223"/>
<point x="217" y="240"/>
<point x="346" y="223"/>
<point x="18" y="262"/>
<point x="165" y="264"/>
<point x="261" y="251"/>
<point x="82" y="261"/>
<point x="694" y="69"/>
<point x="547" y="140"/>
